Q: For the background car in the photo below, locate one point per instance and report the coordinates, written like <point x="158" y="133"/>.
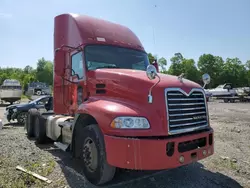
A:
<point x="208" y="94"/>
<point x="19" y="111"/>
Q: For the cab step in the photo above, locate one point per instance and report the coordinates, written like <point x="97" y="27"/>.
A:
<point x="62" y="146"/>
<point x="67" y="124"/>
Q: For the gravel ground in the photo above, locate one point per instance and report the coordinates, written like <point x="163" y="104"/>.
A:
<point x="228" y="167"/>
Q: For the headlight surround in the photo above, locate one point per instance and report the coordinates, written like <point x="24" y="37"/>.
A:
<point x="129" y="122"/>
<point x="14" y="110"/>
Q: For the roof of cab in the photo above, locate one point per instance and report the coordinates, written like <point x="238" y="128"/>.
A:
<point x="99" y="30"/>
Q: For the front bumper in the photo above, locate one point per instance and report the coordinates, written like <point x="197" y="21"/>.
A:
<point x="10" y="115"/>
<point x="151" y="154"/>
<point x="6" y="114"/>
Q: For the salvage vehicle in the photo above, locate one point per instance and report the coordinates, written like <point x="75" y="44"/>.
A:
<point x="10" y="91"/>
<point x="19" y="111"/>
<point x="111" y="109"/>
<point x="225" y="90"/>
<point x="37" y="88"/>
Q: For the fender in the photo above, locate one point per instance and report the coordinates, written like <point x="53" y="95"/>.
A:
<point x="104" y="110"/>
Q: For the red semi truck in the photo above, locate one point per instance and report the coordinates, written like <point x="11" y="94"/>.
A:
<point x="113" y="110"/>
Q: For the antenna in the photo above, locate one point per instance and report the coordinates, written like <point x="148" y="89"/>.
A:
<point x="154" y="32"/>
<point x="154" y="37"/>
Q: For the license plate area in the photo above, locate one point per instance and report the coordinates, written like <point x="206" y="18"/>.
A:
<point x="192" y="144"/>
<point x="194" y="156"/>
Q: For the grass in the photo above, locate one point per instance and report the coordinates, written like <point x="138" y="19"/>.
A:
<point x="24" y="97"/>
<point x="225" y="163"/>
<point x="11" y="178"/>
<point x="42" y="168"/>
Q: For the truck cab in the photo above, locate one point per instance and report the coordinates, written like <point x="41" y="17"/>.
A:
<point x="111" y="108"/>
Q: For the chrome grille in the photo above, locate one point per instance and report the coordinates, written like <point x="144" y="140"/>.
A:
<point x="185" y="112"/>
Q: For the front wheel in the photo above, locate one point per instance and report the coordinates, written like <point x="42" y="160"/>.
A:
<point x="91" y="148"/>
<point x="21" y="117"/>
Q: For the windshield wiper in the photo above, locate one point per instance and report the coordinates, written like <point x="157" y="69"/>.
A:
<point x="109" y="67"/>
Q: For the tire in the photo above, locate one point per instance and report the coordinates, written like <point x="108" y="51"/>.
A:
<point x="89" y="141"/>
<point x="21" y="117"/>
<point x="30" y="120"/>
<point x="40" y="129"/>
<point x="8" y="118"/>
<point x="38" y="92"/>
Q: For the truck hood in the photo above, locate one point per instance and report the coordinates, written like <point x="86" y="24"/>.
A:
<point x="131" y="84"/>
<point x="133" y="76"/>
<point x="15" y="106"/>
<point x="25" y="105"/>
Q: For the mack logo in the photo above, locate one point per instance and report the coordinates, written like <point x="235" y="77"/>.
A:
<point x="199" y="117"/>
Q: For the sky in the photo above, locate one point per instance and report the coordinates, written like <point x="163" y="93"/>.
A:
<point x="192" y="27"/>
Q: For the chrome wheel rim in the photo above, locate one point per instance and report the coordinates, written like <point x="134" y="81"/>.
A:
<point x="90" y="154"/>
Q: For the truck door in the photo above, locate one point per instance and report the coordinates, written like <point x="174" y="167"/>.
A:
<point x="78" y="74"/>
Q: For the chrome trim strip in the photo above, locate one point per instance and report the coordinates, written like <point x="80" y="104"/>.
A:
<point x="186" y="104"/>
<point x="184" y="124"/>
<point x="187" y="114"/>
<point x="179" y="131"/>
<point x="178" y="109"/>
<point x="189" y="99"/>
<point x="185" y="130"/>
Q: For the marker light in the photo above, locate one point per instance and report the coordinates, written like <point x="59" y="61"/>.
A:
<point x="181" y="159"/>
<point x="204" y="152"/>
<point x="130" y="123"/>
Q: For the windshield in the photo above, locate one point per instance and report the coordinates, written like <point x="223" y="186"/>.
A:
<point x="220" y="86"/>
<point x="100" y="56"/>
<point x="41" y="99"/>
<point x="11" y="87"/>
<point x="38" y="84"/>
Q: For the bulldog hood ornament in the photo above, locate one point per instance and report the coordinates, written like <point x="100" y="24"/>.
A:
<point x="180" y="77"/>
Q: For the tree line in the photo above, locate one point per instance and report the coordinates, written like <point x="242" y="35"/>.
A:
<point x="231" y="70"/>
<point x="42" y="73"/>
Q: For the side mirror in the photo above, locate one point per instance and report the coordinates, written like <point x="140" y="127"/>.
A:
<point x="206" y="79"/>
<point x="151" y="72"/>
<point x="59" y="62"/>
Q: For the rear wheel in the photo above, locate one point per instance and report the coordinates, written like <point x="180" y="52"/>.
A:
<point x="30" y="121"/>
<point x="40" y="129"/>
<point x="232" y="100"/>
<point x="90" y="144"/>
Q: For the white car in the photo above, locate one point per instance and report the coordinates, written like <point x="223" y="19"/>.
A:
<point x="224" y="90"/>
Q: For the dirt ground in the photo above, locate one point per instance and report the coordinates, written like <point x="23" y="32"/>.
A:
<point x="228" y="167"/>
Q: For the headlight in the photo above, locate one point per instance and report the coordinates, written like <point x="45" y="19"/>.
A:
<point x="14" y="110"/>
<point x="130" y="123"/>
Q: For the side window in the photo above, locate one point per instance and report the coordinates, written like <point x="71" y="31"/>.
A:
<point x="77" y="64"/>
<point x="43" y="101"/>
